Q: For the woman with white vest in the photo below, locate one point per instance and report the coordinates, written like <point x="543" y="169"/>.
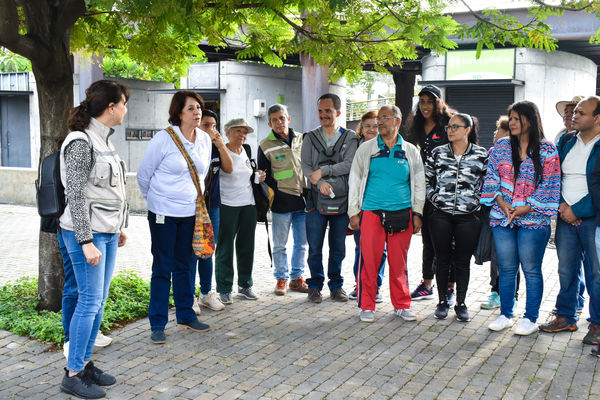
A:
<point x="91" y="226"/>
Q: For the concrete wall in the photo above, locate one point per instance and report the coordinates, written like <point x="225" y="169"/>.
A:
<point x="145" y="111"/>
<point x="18" y="187"/>
<point x="245" y="82"/>
<point x="549" y="78"/>
<point x="552" y="77"/>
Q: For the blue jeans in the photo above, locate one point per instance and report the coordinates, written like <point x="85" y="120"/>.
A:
<point x="69" y="296"/>
<point x="380" y="273"/>
<point x="205" y="266"/>
<point x="92" y="290"/>
<point x="574" y="245"/>
<point x="520" y="246"/>
<point x="173" y="257"/>
<point x="281" y="229"/>
<point x="316" y="225"/>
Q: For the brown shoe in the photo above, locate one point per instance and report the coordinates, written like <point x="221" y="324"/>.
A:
<point x="314" y="296"/>
<point x="280" y="287"/>
<point x="558" y="324"/>
<point x="299" y="285"/>
<point x="593" y="335"/>
<point x="339" y="295"/>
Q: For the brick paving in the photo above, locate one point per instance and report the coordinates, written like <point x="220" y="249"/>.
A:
<point x="286" y="348"/>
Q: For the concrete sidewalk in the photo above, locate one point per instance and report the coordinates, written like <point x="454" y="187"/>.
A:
<point x="287" y="348"/>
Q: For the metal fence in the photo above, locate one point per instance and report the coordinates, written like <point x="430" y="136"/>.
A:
<point x="14" y="81"/>
<point x="355" y="110"/>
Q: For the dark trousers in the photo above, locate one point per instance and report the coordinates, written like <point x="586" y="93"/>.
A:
<point x="464" y="231"/>
<point x="429" y="263"/>
<point x="173" y="260"/>
<point x="236" y="230"/>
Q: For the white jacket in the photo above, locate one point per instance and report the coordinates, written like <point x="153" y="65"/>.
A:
<point x="359" y="174"/>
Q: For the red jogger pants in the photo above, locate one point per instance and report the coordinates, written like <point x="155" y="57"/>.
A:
<point x="372" y="240"/>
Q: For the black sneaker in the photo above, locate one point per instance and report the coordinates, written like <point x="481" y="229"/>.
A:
<point x="339" y="295"/>
<point x="98" y="376"/>
<point x="314" y="296"/>
<point x="441" y="311"/>
<point x="195" y="325"/>
<point x="81" y="386"/>
<point x="421" y="292"/>
<point x="462" y="314"/>
<point x="158" y="337"/>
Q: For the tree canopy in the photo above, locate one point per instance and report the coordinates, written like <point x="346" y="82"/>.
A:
<point x="163" y="36"/>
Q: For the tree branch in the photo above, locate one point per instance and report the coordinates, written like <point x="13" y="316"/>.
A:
<point x="488" y="22"/>
<point x="69" y="14"/>
<point x="544" y="4"/>
<point x="9" y="30"/>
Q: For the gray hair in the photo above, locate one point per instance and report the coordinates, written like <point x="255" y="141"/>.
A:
<point x="276" y="108"/>
<point x="395" y="110"/>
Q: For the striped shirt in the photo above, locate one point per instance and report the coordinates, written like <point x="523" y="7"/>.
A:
<point x="543" y="198"/>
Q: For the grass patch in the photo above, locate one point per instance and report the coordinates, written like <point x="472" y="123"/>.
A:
<point x="127" y="301"/>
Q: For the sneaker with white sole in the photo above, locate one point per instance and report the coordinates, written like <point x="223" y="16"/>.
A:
<point x="501" y="323"/>
<point x="526" y="327"/>
<point x="378" y="297"/>
<point x="247" y="293"/>
<point x="406" y="314"/>
<point x="211" y="301"/>
<point x="367" y="315"/>
<point x="102" y="340"/>
<point x="226" y="298"/>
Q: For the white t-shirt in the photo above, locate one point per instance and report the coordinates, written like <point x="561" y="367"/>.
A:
<point x="574" y="182"/>
<point x="236" y="189"/>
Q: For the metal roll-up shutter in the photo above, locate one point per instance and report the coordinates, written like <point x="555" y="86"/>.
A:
<point x="485" y="102"/>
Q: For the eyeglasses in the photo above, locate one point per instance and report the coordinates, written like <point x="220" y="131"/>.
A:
<point x="453" y="127"/>
<point x="385" y="118"/>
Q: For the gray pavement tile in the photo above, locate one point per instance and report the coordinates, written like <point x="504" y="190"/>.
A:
<point x="286" y="348"/>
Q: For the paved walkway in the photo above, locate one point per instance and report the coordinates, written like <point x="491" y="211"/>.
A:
<point x="287" y="348"/>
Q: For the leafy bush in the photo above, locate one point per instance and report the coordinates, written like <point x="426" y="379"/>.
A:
<point x="127" y="301"/>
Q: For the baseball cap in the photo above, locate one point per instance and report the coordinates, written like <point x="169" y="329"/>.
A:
<point x="434" y="90"/>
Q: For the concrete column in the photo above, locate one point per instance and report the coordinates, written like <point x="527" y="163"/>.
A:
<point x="314" y="84"/>
<point x="89" y="71"/>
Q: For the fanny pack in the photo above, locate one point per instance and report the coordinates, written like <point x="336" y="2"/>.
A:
<point x="394" y="221"/>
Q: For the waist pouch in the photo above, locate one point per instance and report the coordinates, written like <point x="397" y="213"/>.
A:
<point x="394" y="221"/>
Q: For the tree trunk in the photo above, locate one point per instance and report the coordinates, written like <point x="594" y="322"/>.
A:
<point x="405" y="91"/>
<point x="53" y="82"/>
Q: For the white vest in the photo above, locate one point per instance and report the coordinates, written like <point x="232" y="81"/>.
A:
<point x="105" y="190"/>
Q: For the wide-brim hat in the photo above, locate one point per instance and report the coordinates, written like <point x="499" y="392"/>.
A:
<point x="238" y="122"/>
<point x="562" y="105"/>
<point x="432" y="89"/>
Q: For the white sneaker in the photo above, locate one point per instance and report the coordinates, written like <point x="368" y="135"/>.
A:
<point x="211" y="301"/>
<point x="406" y="314"/>
<point x="196" y="307"/>
<point x="501" y="323"/>
<point x="367" y="315"/>
<point x="526" y="327"/>
<point x="66" y="350"/>
<point x="102" y="341"/>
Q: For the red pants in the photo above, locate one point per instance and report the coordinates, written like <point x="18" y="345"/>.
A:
<point x="372" y="240"/>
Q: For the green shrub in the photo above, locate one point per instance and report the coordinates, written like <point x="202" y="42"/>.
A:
<point x="127" y="301"/>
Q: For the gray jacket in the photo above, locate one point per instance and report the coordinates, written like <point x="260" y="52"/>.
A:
<point x="310" y="157"/>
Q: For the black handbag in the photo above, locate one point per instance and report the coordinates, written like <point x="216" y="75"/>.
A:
<point x="394" y="221"/>
<point x="483" y="251"/>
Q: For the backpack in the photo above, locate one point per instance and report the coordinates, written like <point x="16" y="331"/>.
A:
<point x="263" y="194"/>
<point x="339" y="203"/>
<point x="263" y="198"/>
<point x="49" y="190"/>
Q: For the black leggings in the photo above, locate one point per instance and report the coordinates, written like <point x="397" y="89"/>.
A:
<point x="428" y="252"/>
<point x="463" y="229"/>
